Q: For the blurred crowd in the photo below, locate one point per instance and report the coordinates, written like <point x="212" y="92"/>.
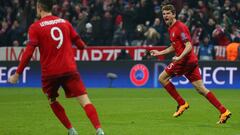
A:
<point x="128" y="22"/>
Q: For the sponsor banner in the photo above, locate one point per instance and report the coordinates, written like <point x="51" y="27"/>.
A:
<point x="215" y="74"/>
<point x="88" y="54"/>
<point x="130" y="74"/>
<point x="220" y="52"/>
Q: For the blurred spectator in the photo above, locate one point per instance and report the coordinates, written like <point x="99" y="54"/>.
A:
<point x="107" y="27"/>
<point x="87" y="37"/>
<point x="119" y="36"/>
<point x="139" y="36"/>
<point x="233" y="51"/>
<point x="129" y="22"/>
<point x="3" y="34"/>
<point x="239" y="52"/>
<point x="219" y="18"/>
<point x="220" y="36"/>
<point x="196" y="33"/>
<point x="118" y="6"/>
<point x="157" y="8"/>
<point x="206" y="50"/>
<point x="210" y="26"/>
<point x="235" y="33"/>
<point x="16" y="34"/>
<point x="97" y="29"/>
<point x="152" y="37"/>
<point x="144" y="11"/>
<point x="161" y="29"/>
<point x="81" y="22"/>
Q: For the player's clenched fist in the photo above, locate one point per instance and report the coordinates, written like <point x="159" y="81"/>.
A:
<point x="13" y="78"/>
<point x="154" y="52"/>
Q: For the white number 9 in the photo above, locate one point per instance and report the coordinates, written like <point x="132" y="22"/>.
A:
<point x="59" y="38"/>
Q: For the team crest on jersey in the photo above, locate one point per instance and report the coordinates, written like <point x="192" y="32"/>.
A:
<point x="183" y="36"/>
<point x="139" y="75"/>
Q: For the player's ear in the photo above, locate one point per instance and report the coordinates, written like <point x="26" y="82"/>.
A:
<point x="39" y="7"/>
<point x="174" y="14"/>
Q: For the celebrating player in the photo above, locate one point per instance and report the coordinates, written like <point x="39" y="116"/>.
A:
<point x="54" y="37"/>
<point x="184" y="63"/>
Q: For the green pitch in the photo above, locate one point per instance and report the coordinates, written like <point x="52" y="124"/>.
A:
<point x="122" y="112"/>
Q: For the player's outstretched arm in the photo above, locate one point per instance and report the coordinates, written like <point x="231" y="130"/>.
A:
<point x="79" y="43"/>
<point x="163" y="52"/>
<point x="188" y="48"/>
<point x="27" y="55"/>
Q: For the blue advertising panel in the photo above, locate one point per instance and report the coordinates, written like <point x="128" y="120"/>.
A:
<point x="215" y="74"/>
<point x="129" y="74"/>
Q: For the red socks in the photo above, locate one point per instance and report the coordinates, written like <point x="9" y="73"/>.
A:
<point x="173" y="92"/>
<point x="212" y="99"/>
<point x="92" y="115"/>
<point x="61" y="115"/>
<point x="210" y="96"/>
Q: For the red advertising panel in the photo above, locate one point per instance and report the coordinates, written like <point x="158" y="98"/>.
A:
<point x="88" y="54"/>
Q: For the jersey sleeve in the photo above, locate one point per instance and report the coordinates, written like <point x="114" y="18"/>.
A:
<point x="184" y="34"/>
<point x="32" y="36"/>
<point x="31" y="45"/>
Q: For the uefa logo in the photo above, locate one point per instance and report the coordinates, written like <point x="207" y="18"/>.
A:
<point x="139" y="75"/>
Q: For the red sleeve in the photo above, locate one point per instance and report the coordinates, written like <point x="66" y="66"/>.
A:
<point x="27" y="55"/>
<point x="76" y="38"/>
<point x="184" y="34"/>
<point x="31" y="45"/>
<point x="79" y="43"/>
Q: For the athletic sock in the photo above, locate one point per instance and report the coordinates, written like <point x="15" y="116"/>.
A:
<point x="173" y="92"/>
<point x="214" y="101"/>
<point x="92" y="115"/>
<point x="61" y="115"/>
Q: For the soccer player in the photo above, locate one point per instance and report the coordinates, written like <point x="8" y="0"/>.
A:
<point x="184" y="63"/>
<point x="54" y="36"/>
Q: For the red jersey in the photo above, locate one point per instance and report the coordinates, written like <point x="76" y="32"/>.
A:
<point x="54" y="37"/>
<point x="179" y="35"/>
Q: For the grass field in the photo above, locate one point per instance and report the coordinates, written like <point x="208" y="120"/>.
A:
<point x="122" y="112"/>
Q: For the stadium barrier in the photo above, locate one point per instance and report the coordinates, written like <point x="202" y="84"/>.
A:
<point x="96" y="53"/>
<point x="93" y="53"/>
<point x="129" y="74"/>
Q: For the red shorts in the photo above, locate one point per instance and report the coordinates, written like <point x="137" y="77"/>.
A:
<point x="71" y="84"/>
<point x="190" y="71"/>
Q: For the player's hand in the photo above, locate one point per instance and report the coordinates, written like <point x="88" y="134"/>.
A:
<point x="154" y="52"/>
<point x="13" y="78"/>
<point x="175" y="58"/>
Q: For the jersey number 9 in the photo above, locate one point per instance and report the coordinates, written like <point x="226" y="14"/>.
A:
<point x="59" y="38"/>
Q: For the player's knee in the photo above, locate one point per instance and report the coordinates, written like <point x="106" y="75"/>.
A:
<point x="83" y="100"/>
<point x="162" y="80"/>
<point x="201" y="90"/>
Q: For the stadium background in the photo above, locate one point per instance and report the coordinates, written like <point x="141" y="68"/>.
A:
<point x="118" y="33"/>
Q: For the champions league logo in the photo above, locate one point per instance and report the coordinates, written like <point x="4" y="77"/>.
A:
<point x="139" y="75"/>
